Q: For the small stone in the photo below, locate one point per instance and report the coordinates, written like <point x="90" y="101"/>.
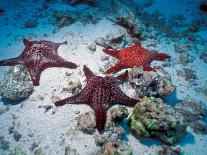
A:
<point x="70" y="151"/>
<point x="31" y="23"/>
<point x="46" y="107"/>
<point x="17" y="136"/>
<point x="86" y="123"/>
<point x="92" y="47"/>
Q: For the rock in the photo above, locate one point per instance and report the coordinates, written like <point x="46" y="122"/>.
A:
<point x="70" y="151"/>
<point x="92" y="47"/>
<point x="4" y="144"/>
<point x="16" y="135"/>
<point x="18" y="151"/>
<point x="150" y="83"/>
<point x="133" y="25"/>
<point x="118" y="148"/>
<point x="193" y="114"/>
<point x="167" y="150"/>
<point x="31" y="23"/>
<point x="114" y="41"/>
<point x="39" y="151"/>
<point x="92" y="3"/>
<point x="112" y="135"/>
<point x="17" y="84"/>
<point x="62" y="18"/>
<point x="86" y="123"/>
<point x="119" y="113"/>
<point x="153" y="118"/>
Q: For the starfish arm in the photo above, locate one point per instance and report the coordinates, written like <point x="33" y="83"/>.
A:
<point x="117" y="67"/>
<point x="80" y="98"/>
<point x="10" y="62"/>
<point x="35" y="73"/>
<point x="54" y="60"/>
<point x="100" y="114"/>
<point x="123" y="99"/>
<point x="88" y="73"/>
<point x="113" y="53"/>
<point x="148" y="68"/>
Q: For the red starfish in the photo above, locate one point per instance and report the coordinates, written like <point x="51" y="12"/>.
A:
<point x="100" y="94"/>
<point x="135" y="55"/>
<point x="38" y="56"/>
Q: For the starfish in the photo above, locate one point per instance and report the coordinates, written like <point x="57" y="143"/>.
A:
<point x="100" y="93"/>
<point x="38" y="56"/>
<point x="135" y="55"/>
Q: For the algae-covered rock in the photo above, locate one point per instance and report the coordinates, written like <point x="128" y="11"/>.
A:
<point x="39" y="151"/>
<point x="150" y="83"/>
<point x="118" y="148"/>
<point x="17" y="84"/>
<point x="167" y="150"/>
<point x="193" y="114"/>
<point x="151" y="117"/>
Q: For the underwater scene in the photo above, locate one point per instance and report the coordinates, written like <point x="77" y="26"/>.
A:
<point x="103" y="77"/>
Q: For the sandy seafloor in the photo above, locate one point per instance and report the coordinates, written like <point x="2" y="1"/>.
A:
<point x="52" y="131"/>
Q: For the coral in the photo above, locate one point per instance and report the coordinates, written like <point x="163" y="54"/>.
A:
<point x="31" y="23"/>
<point x="150" y="83"/>
<point x="100" y="93"/>
<point x="17" y="84"/>
<point x="193" y="114"/>
<point x="38" y="56"/>
<point x="151" y="117"/>
<point x="134" y="55"/>
<point x="86" y="123"/>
